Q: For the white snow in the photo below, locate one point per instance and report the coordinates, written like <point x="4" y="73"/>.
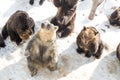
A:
<point x="72" y="66"/>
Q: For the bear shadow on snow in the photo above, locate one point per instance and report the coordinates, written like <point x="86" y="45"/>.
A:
<point x="107" y="68"/>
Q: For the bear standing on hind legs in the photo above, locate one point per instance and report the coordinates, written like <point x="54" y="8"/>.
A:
<point x="19" y="27"/>
<point x="89" y="42"/>
<point x="65" y="16"/>
<point x="41" y="49"/>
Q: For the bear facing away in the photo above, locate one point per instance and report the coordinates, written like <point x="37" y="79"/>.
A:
<point x="41" y="49"/>
<point x="115" y="17"/>
<point x="118" y="51"/>
<point x="89" y="42"/>
<point x="65" y="16"/>
<point x="19" y="27"/>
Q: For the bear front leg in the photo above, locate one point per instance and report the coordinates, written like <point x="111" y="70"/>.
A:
<point x="64" y="32"/>
<point x="14" y="37"/>
<point x="31" y="66"/>
<point x="31" y="2"/>
<point x="41" y="2"/>
<point x="99" y="52"/>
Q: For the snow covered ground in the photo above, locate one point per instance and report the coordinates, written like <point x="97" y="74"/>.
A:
<point x="72" y="66"/>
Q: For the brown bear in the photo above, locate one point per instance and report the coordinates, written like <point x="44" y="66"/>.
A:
<point x="89" y="42"/>
<point x="115" y="17"/>
<point x="40" y="2"/>
<point x="41" y="49"/>
<point x="65" y="16"/>
<point x="19" y="27"/>
<point x="118" y="51"/>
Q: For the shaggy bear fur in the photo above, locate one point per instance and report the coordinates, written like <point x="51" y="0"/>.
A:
<point x="118" y="51"/>
<point x="41" y="49"/>
<point x="40" y="2"/>
<point x="89" y="42"/>
<point x="65" y="16"/>
<point x="115" y="17"/>
<point x="19" y="27"/>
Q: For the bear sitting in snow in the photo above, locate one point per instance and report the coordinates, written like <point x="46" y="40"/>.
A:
<point x="41" y="49"/>
<point x="89" y="42"/>
<point x="19" y="27"/>
<point x="65" y="16"/>
<point x="115" y="17"/>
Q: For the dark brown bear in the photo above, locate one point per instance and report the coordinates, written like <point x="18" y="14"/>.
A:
<point x="115" y="17"/>
<point x="40" y="2"/>
<point x="118" y="51"/>
<point x="41" y="49"/>
<point x="65" y="16"/>
<point x="19" y="27"/>
<point x="89" y="42"/>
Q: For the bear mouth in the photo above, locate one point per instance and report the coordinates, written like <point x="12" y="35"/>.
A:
<point x="24" y="36"/>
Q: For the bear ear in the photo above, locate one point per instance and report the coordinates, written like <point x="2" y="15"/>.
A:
<point x="96" y="33"/>
<point x="84" y="28"/>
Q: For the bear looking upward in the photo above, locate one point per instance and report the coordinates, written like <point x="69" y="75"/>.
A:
<point x="19" y="27"/>
<point x="41" y="49"/>
<point x="65" y="16"/>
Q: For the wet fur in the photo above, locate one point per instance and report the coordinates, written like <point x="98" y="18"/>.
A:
<point x="41" y="49"/>
<point x="19" y="27"/>
<point x="115" y="17"/>
<point x="65" y="16"/>
<point x="89" y="42"/>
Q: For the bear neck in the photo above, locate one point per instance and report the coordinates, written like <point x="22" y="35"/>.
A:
<point x="44" y="41"/>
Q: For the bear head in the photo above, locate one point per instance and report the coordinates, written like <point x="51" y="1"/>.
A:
<point x="25" y="25"/>
<point x="48" y="32"/>
<point x="66" y="10"/>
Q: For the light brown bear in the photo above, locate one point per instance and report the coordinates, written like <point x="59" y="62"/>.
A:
<point x="41" y="49"/>
<point x="89" y="42"/>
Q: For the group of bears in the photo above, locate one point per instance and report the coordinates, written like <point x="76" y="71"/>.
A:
<point x="41" y="49"/>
